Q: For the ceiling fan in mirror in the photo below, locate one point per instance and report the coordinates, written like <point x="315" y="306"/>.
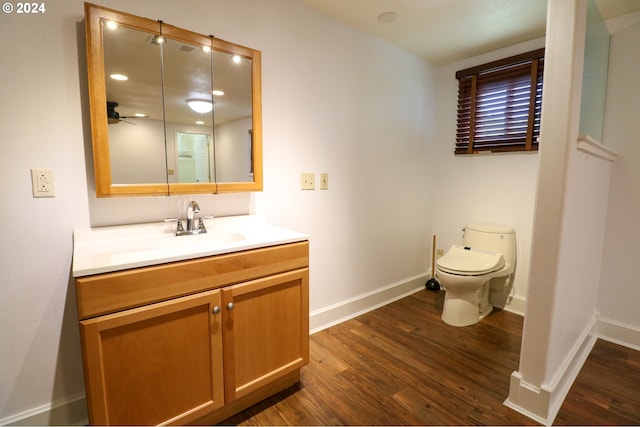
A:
<point x="113" y="117"/>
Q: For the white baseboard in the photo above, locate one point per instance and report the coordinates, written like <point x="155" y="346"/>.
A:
<point x="517" y="305"/>
<point x="543" y="403"/>
<point x="344" y="310"/>
<point x="70" y="412"/>
<point x="619" y="333"/>
<point x="528" y="399"/>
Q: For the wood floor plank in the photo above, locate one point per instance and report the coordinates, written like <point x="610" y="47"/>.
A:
<point x="418" y="377"/>
<point x="607" y="390"/>
<point x="401" y="365"/>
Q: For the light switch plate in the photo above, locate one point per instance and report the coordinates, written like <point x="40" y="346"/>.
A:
<point x="308" y="181"/>
<point x="324" y="181"/>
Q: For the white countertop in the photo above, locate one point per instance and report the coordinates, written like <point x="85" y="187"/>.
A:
<point x="106" y="249"/>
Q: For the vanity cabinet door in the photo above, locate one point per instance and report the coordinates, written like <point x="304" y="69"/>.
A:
<point x="266" y="331"/>
<point x="155" y="364"/>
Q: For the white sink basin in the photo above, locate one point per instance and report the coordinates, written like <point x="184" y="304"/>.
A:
<point x="105" y="249"/>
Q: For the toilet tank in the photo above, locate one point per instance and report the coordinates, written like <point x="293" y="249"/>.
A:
<point x="497" y="238"/>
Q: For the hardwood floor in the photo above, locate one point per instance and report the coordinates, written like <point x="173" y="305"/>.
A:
<point x="607" y="390"/>
<point x="401" y="365"/>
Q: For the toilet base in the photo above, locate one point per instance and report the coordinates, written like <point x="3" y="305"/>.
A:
<point x="465" y="308"/>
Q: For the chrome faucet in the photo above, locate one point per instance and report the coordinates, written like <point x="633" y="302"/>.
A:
<point x="191" y="227"/>
<point x="192" y="208"/>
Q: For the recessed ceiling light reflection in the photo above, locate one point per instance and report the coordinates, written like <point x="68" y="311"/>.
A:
<point x="236" y="59"/>
<point x="120" y="77"/>
<point x="199" y="122"/>
<point x="112" y="25"/>
<point x="217" y="92"/>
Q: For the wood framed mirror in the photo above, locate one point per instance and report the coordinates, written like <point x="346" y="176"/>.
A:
<point x="144" y="77"/>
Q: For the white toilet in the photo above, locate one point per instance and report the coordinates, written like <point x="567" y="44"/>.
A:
<point x="488" y="251"/>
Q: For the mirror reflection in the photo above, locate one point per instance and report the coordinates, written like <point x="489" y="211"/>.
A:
<point x="188" y="94"/>
<point x="133" y="81"/>
<point x="233" y="117"/>
<point x="193" y="157"/>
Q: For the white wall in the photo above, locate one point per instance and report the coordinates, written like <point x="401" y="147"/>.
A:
<point x="569" y="231"/>
<point x="233" y="151"/>
<point x="619" y="290"/>
<point x="334" y="100"/>
<point x="41" y="127"/>
<point x="138" y="152"/>
<point x="573" y="311"/>
<point x="489" y="188"/>
<point x="363" y="112"/>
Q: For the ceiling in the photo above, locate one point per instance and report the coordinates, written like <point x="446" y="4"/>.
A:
<point x="446" y="31"/>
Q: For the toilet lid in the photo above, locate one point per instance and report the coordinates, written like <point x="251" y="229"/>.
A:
<point x="469" y="261"/>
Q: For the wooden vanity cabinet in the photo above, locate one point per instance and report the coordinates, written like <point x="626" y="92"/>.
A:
<point x="199" y="357"/>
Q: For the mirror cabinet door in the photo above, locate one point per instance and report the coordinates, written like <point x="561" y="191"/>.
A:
<point x="147" y="137"/>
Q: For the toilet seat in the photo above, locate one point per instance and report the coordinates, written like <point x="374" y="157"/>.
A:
<point x="465" y="261"/>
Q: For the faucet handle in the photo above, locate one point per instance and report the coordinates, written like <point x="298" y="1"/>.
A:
<point x="201" y="221"/>
<point x="176" y="220"/>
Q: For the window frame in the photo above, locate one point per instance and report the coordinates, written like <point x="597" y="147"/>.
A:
<point x="515" y="69"/>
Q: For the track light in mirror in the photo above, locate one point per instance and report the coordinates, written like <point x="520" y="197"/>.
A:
<point x="119" y="77"/>
<point x="236" y="59"/>
<point x="112" y="25"/>
<point x="201" y="106"/>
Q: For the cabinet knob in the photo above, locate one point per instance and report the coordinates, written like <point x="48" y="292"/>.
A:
<point x="216" y="310"/>
<point x="230" y="306"/>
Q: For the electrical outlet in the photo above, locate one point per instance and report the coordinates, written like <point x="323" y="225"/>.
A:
<point x="308" y="181"/>
<point x="42" y="183"/>
<point x="324" y="181"/>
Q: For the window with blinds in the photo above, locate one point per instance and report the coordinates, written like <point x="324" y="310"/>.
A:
<point x="499" y="105"/>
